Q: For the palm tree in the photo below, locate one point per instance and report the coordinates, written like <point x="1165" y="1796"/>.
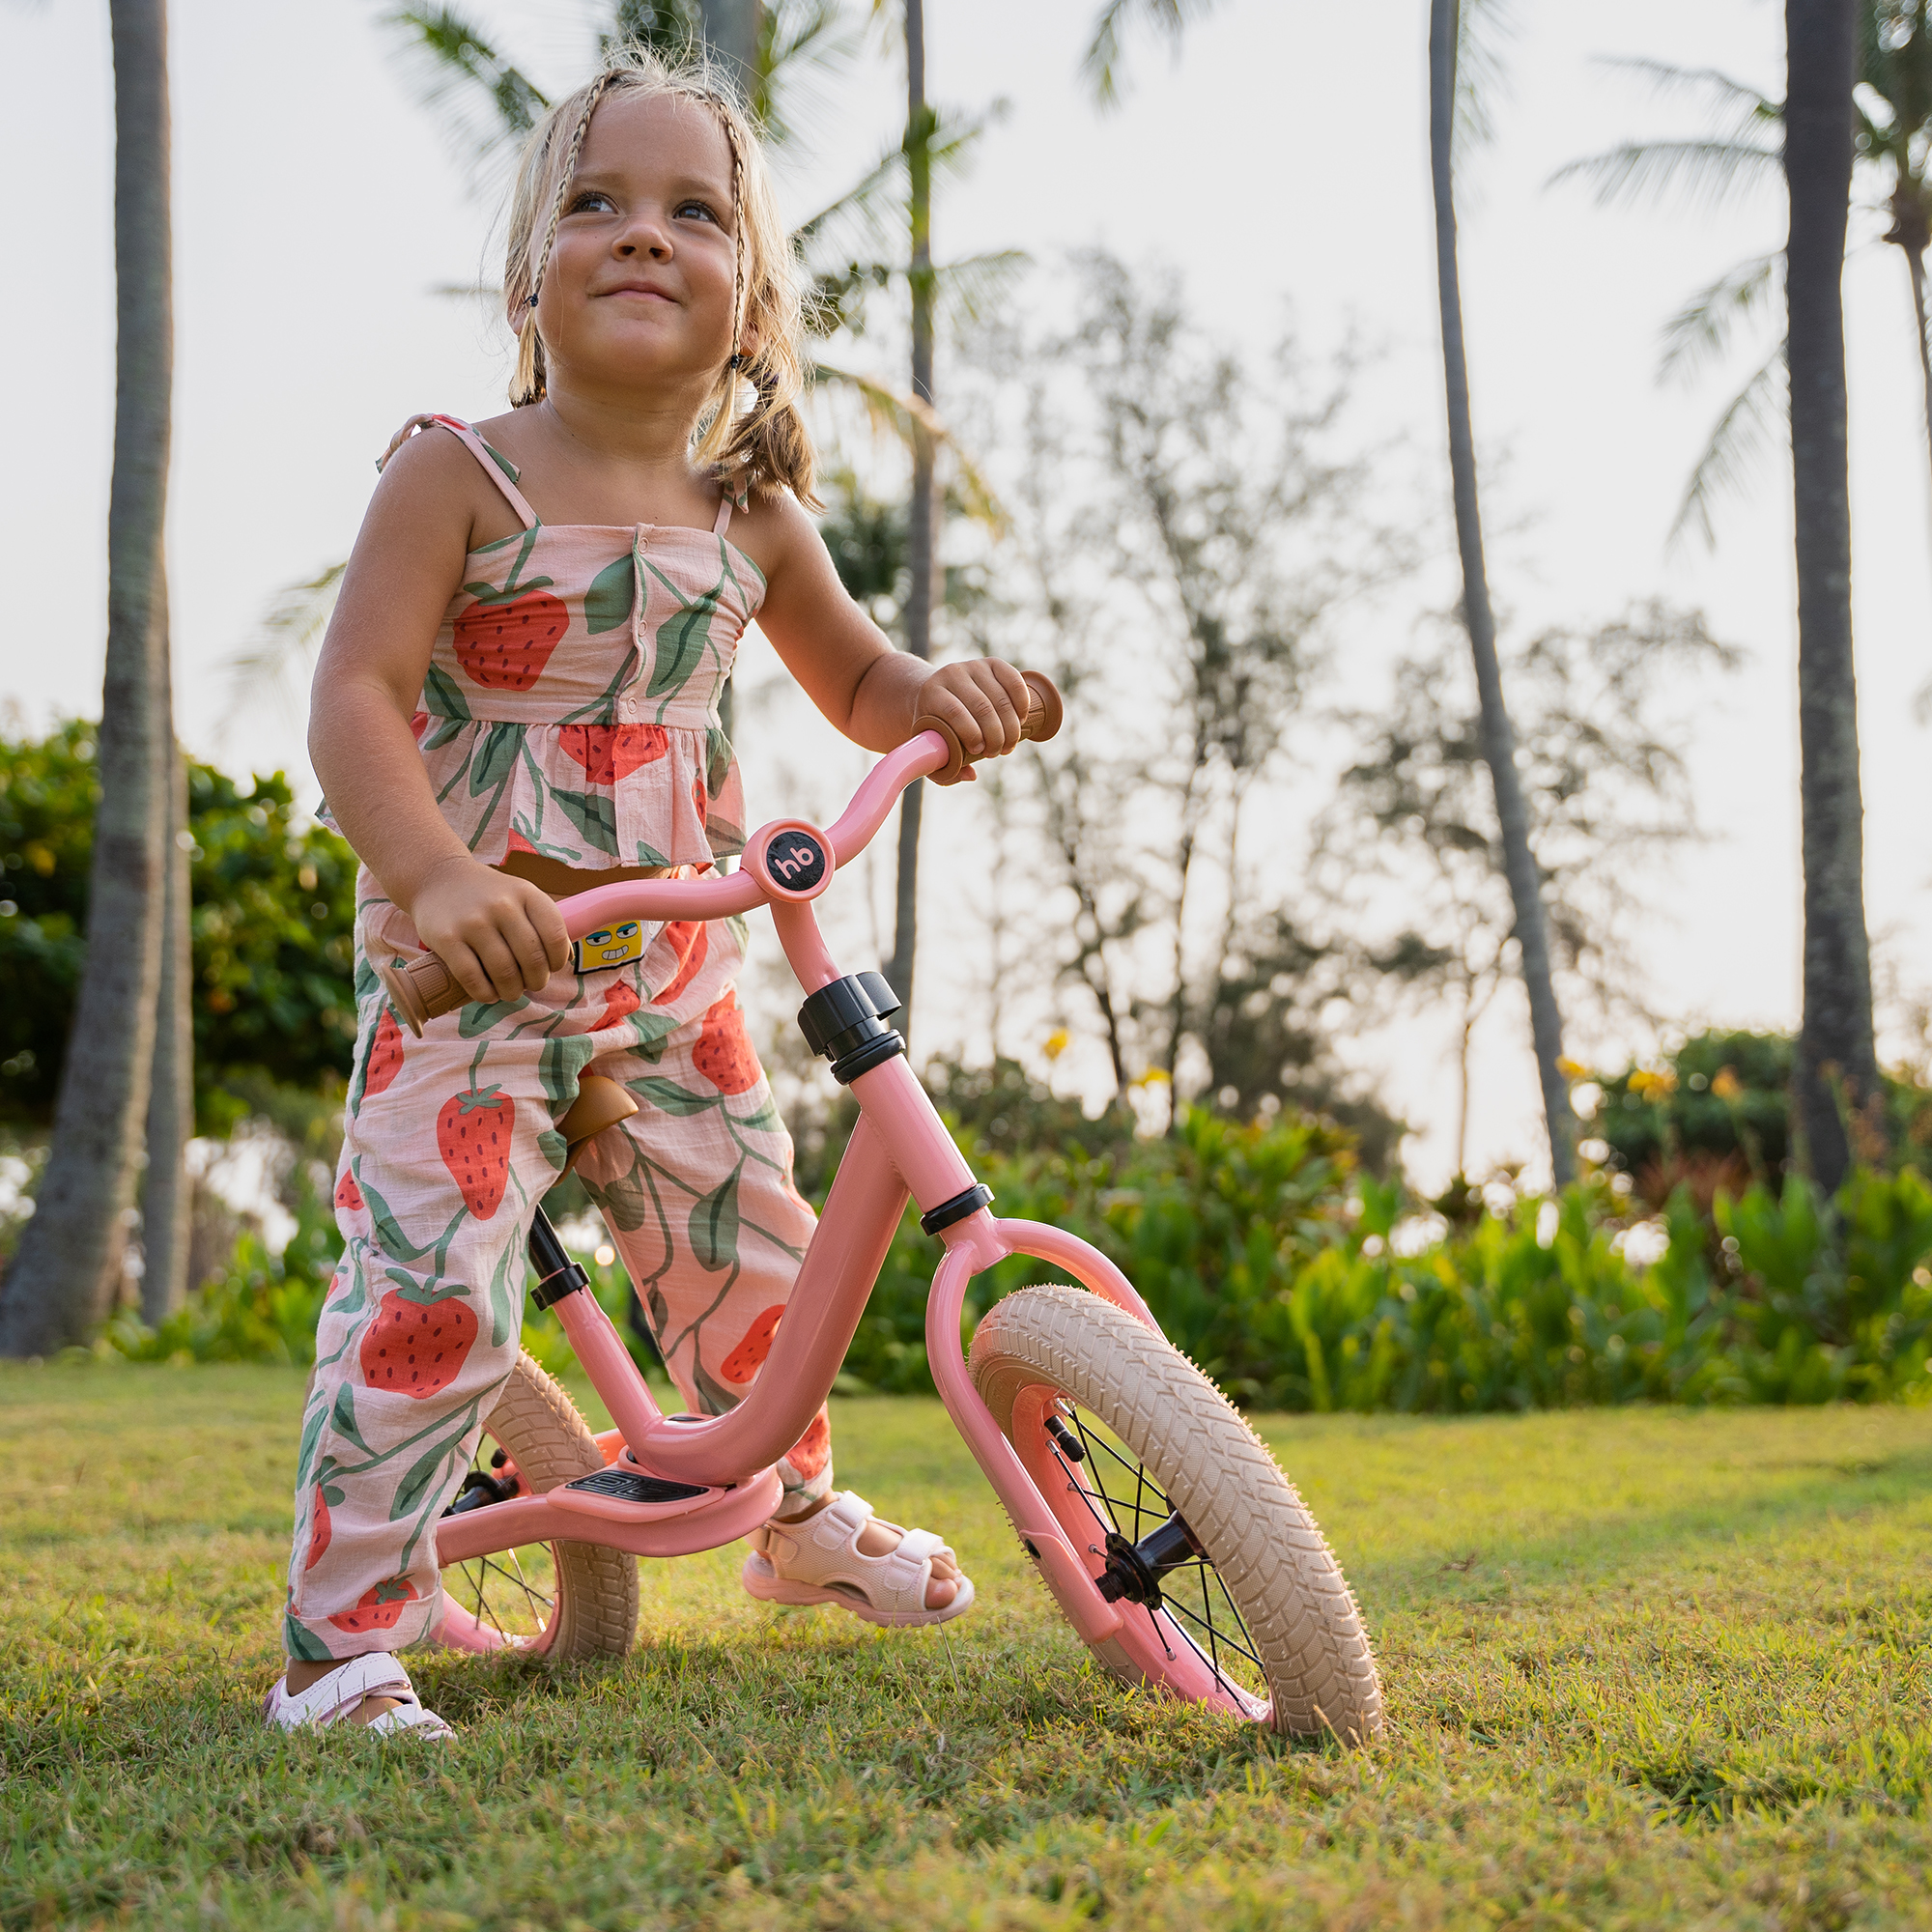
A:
<point x="70" y="1253"/>
<point x="1837" y="1071"/>
<point x="1454" y="100"/>
<point x="1859" y="81"/>
<point x="1742" y="150"/>
<point x="1461" y="62"/>
<point x="923" y="525"/>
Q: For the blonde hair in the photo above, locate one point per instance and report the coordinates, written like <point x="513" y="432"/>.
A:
<point x="760" y="446"/>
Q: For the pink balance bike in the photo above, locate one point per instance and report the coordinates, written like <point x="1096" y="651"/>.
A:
<point x="1157" y="1520"/>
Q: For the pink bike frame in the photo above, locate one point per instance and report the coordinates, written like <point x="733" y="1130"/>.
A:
<point x="899" y="1148"/>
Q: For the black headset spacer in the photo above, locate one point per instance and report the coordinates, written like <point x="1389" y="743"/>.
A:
<point x="975" y="1197"/>
<point x="866" y="1055"/>
<point x="565" y="1281"/>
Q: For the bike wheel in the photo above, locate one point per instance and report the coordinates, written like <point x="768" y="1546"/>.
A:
<point x="561" y="1601"/>
<point x="1229" y="1594"/>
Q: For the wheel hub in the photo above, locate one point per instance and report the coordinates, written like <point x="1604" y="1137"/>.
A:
<point x="1135" y="1570"/>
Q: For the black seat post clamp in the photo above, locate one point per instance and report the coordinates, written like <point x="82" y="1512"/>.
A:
<point x="845" y="1023"/>
<point x="558" y="1275"/>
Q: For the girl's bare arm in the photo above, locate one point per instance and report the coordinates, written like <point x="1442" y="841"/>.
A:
<point x="847" y="665"/>
<point x="499" y="935"/>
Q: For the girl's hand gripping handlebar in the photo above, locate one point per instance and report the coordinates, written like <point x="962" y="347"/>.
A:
<point x="1042" y="721"/>
<point x="425" y="989"/>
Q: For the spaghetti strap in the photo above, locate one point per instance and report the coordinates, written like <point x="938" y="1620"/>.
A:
<point x="499" y="471"/>
<point x="724" y="508"/>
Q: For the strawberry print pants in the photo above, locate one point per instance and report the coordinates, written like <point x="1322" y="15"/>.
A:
<point x="451" y="1141"/>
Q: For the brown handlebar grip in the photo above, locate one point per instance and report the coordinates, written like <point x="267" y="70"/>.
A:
<point x="1045" y="713"/>
<point x="425" y="989"/>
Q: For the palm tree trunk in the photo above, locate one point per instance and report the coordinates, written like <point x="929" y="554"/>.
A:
<point x="1499" y="739"/>
<point x="1837" y="1069"/>
<point x="1183" y="875"/>
<point x="730" y="29"/>
<point x="67" y="1264"/>
<point x="1911" y="231"/>
<point x="164" y="1189"/>
<point x="1468" y="1028"/>
<point x="922" y="529"/>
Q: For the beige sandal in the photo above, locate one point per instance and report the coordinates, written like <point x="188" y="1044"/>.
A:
<point x="817" y="1560"/>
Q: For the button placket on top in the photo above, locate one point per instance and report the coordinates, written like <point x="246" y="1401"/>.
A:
<point x="629" y="708"/>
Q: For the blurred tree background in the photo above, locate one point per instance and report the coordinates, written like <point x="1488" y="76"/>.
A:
<point x="1183" y="940"/>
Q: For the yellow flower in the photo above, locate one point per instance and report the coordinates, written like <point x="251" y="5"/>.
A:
<point x="1727" y="1085"/>
<point x="1572" y="1070"/>
<point x="1056" y="1043"/>
<point x="1651" y="1086"/>
<point x="1154" y="1076"/>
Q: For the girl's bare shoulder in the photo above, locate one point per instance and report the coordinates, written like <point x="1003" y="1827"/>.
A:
<point x="773" y="530"/>
<point x="432" y="482"/>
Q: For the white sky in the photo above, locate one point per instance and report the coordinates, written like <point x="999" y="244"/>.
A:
<point x="316" y="210"/>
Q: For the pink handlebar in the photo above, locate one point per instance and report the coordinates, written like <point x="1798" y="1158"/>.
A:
<point x="425" y="988"/>
<point x="720" y="897"/>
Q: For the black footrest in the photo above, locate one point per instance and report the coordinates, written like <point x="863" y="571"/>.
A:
<point x="626" y="1486"/>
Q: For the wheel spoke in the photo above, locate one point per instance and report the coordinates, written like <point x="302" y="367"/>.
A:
<point x="1215" y="1636"/>
<point x="1240" y="1621"/>
<point x="1100" y="1482"/>
<point x="504" y="1598"/>
<point x="1079" y="1489"/>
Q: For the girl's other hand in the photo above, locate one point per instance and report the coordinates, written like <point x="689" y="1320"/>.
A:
<point x="984" y="701"/>
<point x="501" y="936"/>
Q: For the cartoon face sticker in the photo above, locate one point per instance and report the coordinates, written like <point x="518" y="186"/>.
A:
<point x="609" y="946"/>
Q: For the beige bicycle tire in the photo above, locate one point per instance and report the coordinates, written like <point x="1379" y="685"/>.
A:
<point x="596" y="1610"/>
<point x="1269" y="1553"/>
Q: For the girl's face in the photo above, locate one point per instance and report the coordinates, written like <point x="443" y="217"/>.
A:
<point x="640" y="285"/>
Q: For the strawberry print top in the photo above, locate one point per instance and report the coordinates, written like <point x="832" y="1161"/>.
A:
<point x="571" y="703"/>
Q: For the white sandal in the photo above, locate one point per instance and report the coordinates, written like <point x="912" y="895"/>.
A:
<point x="332" y="1699"/>
<point x="818" y="1561"/>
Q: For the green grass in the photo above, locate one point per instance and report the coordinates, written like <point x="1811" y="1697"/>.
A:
<point x="1643" y="1668"/>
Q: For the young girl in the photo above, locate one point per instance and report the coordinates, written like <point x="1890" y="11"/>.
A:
<point x="517" y="702"/>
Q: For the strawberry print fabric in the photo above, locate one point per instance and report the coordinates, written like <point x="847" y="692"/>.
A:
<point x="451" y="1141"/>
<point x="571" y="703"/>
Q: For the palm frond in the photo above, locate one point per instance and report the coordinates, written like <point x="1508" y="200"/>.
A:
<point x="284" y="647"/>
<point x="1700" y="331"/>
<point x="907" y="420"/>
<point x="800" y="43"/>
<point x="1743" y="105"/>
<point x="870" y="219"/>
<point x="1102" y="64"/>
<point x="1483" y="29"/>
<point x="673" y="29"/>
<point x="1750" y="419"/>
<point x="485" y="102"/>
<point x="952" y="139"/>
<point x="969" y="287"/>
<point x="859" y="207"/>
<point x="1711" y="168"/>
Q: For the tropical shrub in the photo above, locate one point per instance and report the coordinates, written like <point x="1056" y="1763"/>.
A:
<point x="1717" y="1113"/>
<point x="273" y="901"/>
